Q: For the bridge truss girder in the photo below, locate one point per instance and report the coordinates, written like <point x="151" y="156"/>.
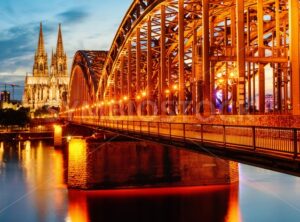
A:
<point x="201" y="56"/>
<point x="85" y="75"/>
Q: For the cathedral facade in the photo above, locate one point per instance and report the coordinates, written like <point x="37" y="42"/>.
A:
<point x="47" y="86"/>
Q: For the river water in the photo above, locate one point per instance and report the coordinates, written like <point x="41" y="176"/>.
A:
<point x="33" y="188"/>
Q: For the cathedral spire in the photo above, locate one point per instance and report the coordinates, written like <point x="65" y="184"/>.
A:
<point x="59" y="47"/>
<point x="40" y="66"/>
<point x="52" y="59"/>
<point x="41" y="46"/>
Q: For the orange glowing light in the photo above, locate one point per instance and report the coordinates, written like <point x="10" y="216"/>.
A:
<point x="78" y="210"/>
<point x="233" y="212"/>
<point x="175" y="87"/>
<point x="167" y="91"/>
<point x="77" y="162"/>
<point x="125" y="98"/>
<point x="221" y="81"/>
<point x="112" y="101"/>
<point x="144" y="94"/>
<point x="1" y="152"/>
<point x="57" y="135"/>
<point x="138" y="97"/>
<point x="233" y="75"/>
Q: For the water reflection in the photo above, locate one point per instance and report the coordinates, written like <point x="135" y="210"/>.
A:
<point x="31" y="183"/>
<point x="1" y="156"/>
<point x="33" y="179"/>
<point x="156" y="204"/>
<point x="129" y="164"/>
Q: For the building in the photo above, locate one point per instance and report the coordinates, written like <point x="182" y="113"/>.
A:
<point x="47" y="87"/>
<point x="5" y="96"/>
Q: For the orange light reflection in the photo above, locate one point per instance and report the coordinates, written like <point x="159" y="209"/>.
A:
<point x="234" y="213"/>
<point x="78" y="211"/>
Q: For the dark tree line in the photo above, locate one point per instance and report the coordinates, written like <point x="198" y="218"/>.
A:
<point x="11" y="117"/>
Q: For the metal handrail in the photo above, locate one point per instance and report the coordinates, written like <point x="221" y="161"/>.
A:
<point x="254" y="138"/>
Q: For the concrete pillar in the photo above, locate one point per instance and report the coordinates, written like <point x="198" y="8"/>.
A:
<point x="77" y="164"/>
<point x="57" y="135"/>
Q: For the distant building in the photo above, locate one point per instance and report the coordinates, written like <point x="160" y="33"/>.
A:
<point x="5" y="96"/>
<point x="44" y="87"/>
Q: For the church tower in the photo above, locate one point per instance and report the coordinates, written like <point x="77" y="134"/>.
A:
<point x="59" y="59"/>
<point x="43" y="89"/>
<point x="40" y="66"/>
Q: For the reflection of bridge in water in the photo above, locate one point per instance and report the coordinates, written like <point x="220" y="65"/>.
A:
<point x="129" y="163"/>
<point x="176" y="65"/>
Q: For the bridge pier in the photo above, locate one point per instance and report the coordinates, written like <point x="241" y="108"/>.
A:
<point x="58" y="134"/>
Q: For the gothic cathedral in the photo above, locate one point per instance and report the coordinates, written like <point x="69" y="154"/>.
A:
<point x="47" y="87"/>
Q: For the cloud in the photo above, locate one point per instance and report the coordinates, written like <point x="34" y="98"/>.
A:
<point x="17" y="45"/>
<point x="73" y="15"/>
<point x="16" y="41"/>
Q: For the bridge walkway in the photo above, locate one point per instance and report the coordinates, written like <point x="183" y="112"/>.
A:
<point x="271" y="147"/>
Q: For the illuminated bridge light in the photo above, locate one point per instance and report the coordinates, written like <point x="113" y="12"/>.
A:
<point x="144" y="94"/>
<point x="175" y="87"/>
<point x="138" y="97"/>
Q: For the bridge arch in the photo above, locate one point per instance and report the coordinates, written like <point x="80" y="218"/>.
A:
<point x="84" y="79"/>
<point x="208" y="56"/>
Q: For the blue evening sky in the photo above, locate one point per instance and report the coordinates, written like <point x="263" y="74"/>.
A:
<point x="89" y="25"/>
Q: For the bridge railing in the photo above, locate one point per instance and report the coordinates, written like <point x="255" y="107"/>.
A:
<point x="271" y="140"/>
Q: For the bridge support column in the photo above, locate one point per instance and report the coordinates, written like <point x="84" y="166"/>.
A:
<point x="149" y="67"/>
<point x="205" y="58"/>
<point x="181" y="92"/>
<point x="233" y="27"/>
<point x="162" y="76"/>
<point x="197" y="96"/>
<point x="57" y="135"/>
<point x="261" y="71"/>
<point x="240" y="55"/>
<point x="122" y="91"/>
<point x="129" y="79"/>
<point x="138" y="68"/>
<point x="295" y="53"/>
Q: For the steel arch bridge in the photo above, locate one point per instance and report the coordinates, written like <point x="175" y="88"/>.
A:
<point x="190" y="57"/>
<point x="86" y="72"/>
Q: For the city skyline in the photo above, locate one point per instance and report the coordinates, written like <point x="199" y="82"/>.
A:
<point x="85" y="25"/>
